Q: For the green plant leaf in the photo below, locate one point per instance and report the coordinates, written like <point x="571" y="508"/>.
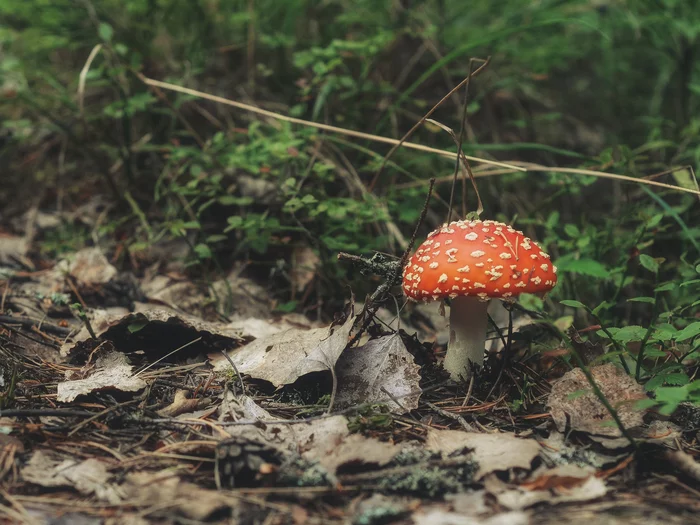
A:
<point x="630" y="333"/>
<point x="641" y="300"/>
<point x="689" y="332"/>
<point x="203" y="251"/>
<point x="665" y="287"/>
<point x="653" y="352"/>
<point x="531" y="302"/>
<point x="605" y="305"/>
<point x="234" y="222"/>
<point x="563" y="323"/>
<point x="217" y="237"/>
<point x="232" y="200"/>
<point x="572" y="231"/>
<point x="583" y="266"/>
<point x="136" y="326"/>
<point x="649" y="263"/>
<point x="573" y="303"/>
<point x="105" y="32"/>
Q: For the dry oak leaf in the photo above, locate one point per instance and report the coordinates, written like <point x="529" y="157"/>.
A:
<point x="284" y="357"/>
<point x="572" y="398"/>
<point x="88" y="266"/>
<point x="502" y="451"/>
<point x="112" y="371"/>
<point x="164" y="489"/>
<point x="87" y="477"/>
<point x="564" y="483"/>
<point x="367" y="373"/>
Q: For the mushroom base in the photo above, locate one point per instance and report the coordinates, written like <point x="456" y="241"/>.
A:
<point x="468" y="325"/>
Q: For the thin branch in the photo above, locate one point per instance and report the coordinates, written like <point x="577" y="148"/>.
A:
<point x="235" y="369"/>
<point x="418" y="124"/>
<point x="317" y="125"/>
<point x="515" y="166"/>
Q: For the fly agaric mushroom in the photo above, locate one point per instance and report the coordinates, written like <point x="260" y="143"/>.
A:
<point x="471" y="262"/>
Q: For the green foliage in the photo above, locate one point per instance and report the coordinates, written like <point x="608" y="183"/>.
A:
<point x="659" y="351"/>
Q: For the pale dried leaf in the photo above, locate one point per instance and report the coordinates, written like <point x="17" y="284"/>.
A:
<point x="565" y="483"/>
<point x="163" y="489"/>
<point x="318" y="438"/>
<point x="559" y="451"/>
<point x="182" y="404"/>
<point x="355" y="449"/>
<point x="179" y="295"/>
<point x="492" y="452"/>
<point x="13" y="249"/>
<point x="305" y="263"/>
<point x="254" y="328"/>
<point x="443" y="517"/>
<point x="115" y="323"/>
<point x="262" y="190"/>
<point x="572" y="398"/>
<point x="88" y="266"/>
<point x="383" y="364"/>
<point x="87" y="477"/>
<point x="112" y="371"/>
<point x="241" y="408"/>
<point x="284" y="357"/>
<point x="471" y="503"/>
<point x="242" y="296"/>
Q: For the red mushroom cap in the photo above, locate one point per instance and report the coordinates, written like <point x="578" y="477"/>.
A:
<point x="478" y="258"/>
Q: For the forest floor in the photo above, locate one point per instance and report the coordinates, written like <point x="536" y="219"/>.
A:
<point x="125" y="408"/>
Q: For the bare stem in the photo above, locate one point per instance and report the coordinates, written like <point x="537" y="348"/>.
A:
<point x="468" y="323"/>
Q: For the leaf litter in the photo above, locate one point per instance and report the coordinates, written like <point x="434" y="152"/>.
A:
<point x="382" y="370"/>
<point x="147" y="415"/>
<point x="282" y="358"/>
<point x="111" y="371"/>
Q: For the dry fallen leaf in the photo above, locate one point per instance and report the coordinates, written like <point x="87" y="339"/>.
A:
<point x="284" y="357"/>
<point x="317" y="438"/>
<point x="177" y="294"/>
<point x="564" y="483"/>
<point x="305" y="263"/>
<point x="182" y="404"/>
<point x="155" y="324"/>
<point x="367" y="373"/>
<point x="112" y="371"/>
<point x="242" y="296"/>
<point x="254" y="328"/>
<point x="165" y="490"/>
<point x="443" y="517"/>
<point x="354" y="450"/>
<point x="13" y="250"/>
<point x="88" y="266"/>
<point x="87" y="477"/>
<point x="326" y="440"/>
<point x="492" y="452"/>
<point x="572" y="399"/>
<point x="557" y="450"/>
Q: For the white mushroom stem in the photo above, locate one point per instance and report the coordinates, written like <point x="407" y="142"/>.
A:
<point x="468" y="324"/>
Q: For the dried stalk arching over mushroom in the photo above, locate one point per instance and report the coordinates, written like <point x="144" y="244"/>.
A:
<point x="470" y="262"/>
